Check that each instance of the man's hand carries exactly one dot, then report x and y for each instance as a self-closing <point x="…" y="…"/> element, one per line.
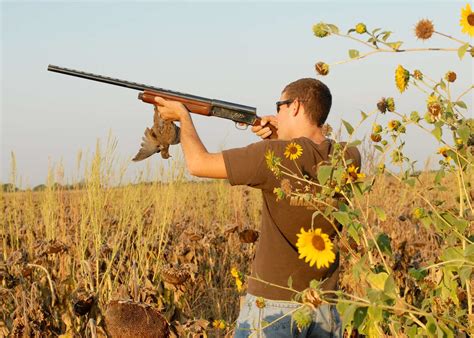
<point x="170" y="110"/>
<point x="263" y="130"/>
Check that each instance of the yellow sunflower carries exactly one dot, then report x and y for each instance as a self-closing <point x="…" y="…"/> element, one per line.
<point x="315" y="247"/>
<point x="467" y="20"/>
<point x="272" y="161"/>
<point x="237" y="275"/>
<point x="401" y="78"/>
<point x="293" y="151"/>
<point x="353" y="174"/>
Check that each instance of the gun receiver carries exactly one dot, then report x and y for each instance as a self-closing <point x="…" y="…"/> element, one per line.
<point x="195" y="104"/>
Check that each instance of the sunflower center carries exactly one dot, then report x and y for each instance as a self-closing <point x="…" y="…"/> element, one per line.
<point x="470" y="19"/>
<point x="318" y="243"/>
<point x="293" y="150"/>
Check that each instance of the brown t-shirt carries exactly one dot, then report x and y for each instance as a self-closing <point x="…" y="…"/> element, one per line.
<point x="276" y="257"/>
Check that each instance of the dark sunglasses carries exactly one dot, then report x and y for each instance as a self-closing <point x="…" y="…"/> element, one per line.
<point x="281" y="103"/>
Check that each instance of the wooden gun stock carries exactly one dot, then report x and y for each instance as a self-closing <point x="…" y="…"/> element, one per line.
<point x="194" y="106"/>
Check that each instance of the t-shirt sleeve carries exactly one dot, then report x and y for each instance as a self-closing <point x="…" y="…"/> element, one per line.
<point x="354" y="154"/>
<point x="247" y="166"/>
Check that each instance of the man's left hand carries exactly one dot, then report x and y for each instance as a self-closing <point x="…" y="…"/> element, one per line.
<point x="170" y="110"/>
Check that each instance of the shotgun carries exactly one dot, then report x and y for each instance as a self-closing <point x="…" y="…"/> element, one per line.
<point x="195" y="104"/>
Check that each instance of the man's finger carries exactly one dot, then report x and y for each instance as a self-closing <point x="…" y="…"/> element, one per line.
<point x="161" y="101"/>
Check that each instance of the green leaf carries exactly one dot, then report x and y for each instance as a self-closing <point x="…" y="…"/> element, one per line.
<point x="395" y="45"/>
<point x="353" y="53"/>
<point x="437" y="132"/>
<point x="342" y="217"/>
<point x="431" y="325"/>
<point x="462" y="50"/>
<point x="464" y="133"/>
<point x="352" y="231"/>
<point x="359" y="316"/>
<point x="347" y="313"/>
<point x="351" y="30"/>
<point x="334" y="29"/>
<point x="348" y="126"/>
<point x="364" y="115"/>
<point x="290" y="282"/>
<point x="453" y="254"/>
<point x="469" y="252"/>
<point x="418" y="274"/>
<point x="376" y="30"/>
<point x="386" y="36"/>
<point x="465" y="275"/>
<point x="380" y="213"/>
<point x="324" y="172"/>
<point x="410" y="181"/>
<point x="377" y="281"/>
<point x="379" y="148"/>
<point x="354" y="143"/>
<point x="384" y="243"/>
<point x="442" y="84"/>
<point x="439" y="176"/>
<point x="390" y="287"/>
<point x="461" y="104"/>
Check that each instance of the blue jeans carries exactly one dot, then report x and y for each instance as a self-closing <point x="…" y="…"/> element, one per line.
<point x="253" y="320"/>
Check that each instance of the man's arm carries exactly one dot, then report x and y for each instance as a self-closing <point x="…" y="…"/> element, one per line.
<point x="199" y="161"/>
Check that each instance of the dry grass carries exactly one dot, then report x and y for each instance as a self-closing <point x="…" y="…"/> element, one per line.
<point x="66" y="254"/>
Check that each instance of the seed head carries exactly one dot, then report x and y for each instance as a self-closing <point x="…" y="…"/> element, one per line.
<point x="382" y="105"/>
<point x="390" y="104"/>
<point x="424" y="29"/>
<point x="322" y="68"/>
<point x="321" y="30"/>
<point x="375" y="137"/>
<point x="376" y="128"/>
<point x="450" y="76"/>
<point x="417" y="74"/>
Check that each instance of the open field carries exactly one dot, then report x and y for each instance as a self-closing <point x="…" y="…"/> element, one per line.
<point x="66" y="254"/>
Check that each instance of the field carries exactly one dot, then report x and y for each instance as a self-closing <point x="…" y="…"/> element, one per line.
<point x="170" y="244"/>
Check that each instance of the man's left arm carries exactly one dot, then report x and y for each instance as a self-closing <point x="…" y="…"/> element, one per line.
<point x="199" y="161"/>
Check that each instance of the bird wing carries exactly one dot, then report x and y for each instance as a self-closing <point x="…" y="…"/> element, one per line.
<point x="149" y="146"/>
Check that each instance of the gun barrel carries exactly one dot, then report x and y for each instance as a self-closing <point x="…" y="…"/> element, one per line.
<point x="223" y="109"/>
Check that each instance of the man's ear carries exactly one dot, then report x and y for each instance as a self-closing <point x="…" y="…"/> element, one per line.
<point x="296" y="108"/>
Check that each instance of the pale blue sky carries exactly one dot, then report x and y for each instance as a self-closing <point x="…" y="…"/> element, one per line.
<point x="240" y="52"/>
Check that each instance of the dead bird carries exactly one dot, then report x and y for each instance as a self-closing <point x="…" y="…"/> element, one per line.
<point x="158" y="138"/>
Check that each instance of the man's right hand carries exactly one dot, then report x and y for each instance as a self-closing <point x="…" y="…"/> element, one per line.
<point x="268" y="128"/>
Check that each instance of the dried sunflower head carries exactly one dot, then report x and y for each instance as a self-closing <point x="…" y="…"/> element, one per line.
<point x="322" y="68"/>
<point x="321" y="30"/>
<point x="450" y="76"/>
<point x="424" y="29"/>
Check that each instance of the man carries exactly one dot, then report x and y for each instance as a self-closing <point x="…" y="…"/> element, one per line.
<point x="296" y="137"/>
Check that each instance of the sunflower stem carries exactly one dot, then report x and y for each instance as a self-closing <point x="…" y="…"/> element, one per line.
<point x="452" y="38"/>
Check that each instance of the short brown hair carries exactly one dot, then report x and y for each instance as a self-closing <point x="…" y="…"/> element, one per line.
<point x="314" y="95"/>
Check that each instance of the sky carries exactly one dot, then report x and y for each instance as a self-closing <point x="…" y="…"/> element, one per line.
<point x="242" y="52"/>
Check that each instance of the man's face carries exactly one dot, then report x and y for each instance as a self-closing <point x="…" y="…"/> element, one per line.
<point x="283" y="117"/>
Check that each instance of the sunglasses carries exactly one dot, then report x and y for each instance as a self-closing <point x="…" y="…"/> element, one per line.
<point x="281" y="103"/>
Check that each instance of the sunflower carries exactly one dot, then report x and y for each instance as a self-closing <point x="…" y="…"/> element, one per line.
<point x="293" y="151"/>
<point x="401" y="78"/>
<point x="219" y="324"/>
<point x="467" y="20"/>
<point x="353" y="174"/>
<point x="315" y="247"/>
<point x="424" y="29"/>
<point x="393" y="125"/>
<point x="237" y="275"/>
<point x="272" y="161"/>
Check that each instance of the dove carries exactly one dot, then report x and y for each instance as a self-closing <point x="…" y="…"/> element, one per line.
<point x="158" y="138"/>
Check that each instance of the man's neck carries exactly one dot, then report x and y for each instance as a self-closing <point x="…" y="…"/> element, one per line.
<point x="314" y="134"/>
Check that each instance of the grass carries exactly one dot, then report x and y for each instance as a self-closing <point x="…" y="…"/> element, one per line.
<point x="107" y="241"/>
